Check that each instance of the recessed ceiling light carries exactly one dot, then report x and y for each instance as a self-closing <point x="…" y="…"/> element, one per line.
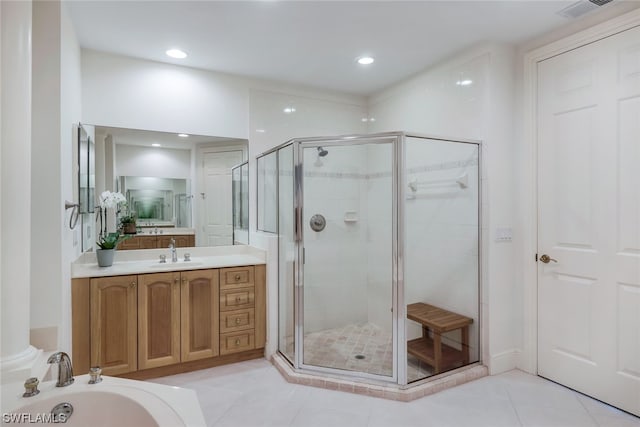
<point x="260" y="130"/>
<point x="155" y="144"/>
<point x="176" y="53"/>
<point x="465" y="82"/>
<point x="289" y="110"/>
<point x="183" y="135"/>
<point x="365" y="60"/>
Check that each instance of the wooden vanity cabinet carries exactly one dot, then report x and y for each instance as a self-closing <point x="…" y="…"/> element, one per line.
<point x="159" y="241"/>
<point x="199" y="298"/>
<point x="114" y="335"/>
<point x="182" y="241"/>
<point x="148" y="325"/>
<point x="158" y="319"/>
<point x="139" y="242"/>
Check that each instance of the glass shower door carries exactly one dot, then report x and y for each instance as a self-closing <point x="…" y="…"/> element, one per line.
<point x="347" y="217"/>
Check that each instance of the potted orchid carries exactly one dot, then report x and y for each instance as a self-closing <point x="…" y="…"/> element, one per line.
<point x="107" y="242"/>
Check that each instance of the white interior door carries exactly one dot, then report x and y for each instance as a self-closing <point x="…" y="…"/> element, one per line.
<point x="589" y="219"/>
<point x="217" y="205"/>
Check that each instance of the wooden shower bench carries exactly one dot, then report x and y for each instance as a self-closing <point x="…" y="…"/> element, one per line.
<point x="431" y="350"/>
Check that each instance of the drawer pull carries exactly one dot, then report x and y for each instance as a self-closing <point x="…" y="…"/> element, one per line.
<point x="238" y="299"/>
<point x="237" y="320"/>
<point x="238" y="277"/>
<point x="237" y="342"/>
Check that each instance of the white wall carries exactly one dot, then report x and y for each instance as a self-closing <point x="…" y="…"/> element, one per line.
<point x="433" y="103"/>
<point x="124" y="92"/>
<point x="15" y="200"/>
<point x="133" y="160"/>
<point x="56" y="107"/>
<point x="70" y="114"/>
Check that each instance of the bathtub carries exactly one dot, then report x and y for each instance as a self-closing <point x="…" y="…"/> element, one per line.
<point x="113" y="402"/>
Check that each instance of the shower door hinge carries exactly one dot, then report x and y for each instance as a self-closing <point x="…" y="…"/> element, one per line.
<point x="304" y="255"/>
<point x="536" y="257"/>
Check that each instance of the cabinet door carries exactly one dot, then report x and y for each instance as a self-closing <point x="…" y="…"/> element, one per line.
<point x="148" y="242"/>
<point x="183" y="241"/>
<point x="130" y="243"/>
<point x="164" y="241"/>
<point x="114" y="336"/>
<point x="199" y="313"/>
<point x="158" y="319"/>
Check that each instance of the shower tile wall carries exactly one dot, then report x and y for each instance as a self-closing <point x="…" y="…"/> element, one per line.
<point x="441" y="246"/>
<point x="335" y="269"/>
<point x="379" y="202"/>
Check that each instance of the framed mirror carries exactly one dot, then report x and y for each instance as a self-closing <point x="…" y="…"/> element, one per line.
<point x="86" y="171"/>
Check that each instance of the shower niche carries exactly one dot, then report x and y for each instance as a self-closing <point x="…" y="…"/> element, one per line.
<point x="378" y="256"/>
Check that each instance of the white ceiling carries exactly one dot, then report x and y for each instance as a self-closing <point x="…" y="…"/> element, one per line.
<point x="310" y="42"/>
<point x="145" y="138"/>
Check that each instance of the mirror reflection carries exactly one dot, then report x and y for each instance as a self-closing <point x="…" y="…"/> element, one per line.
<point x="176" y="185"/>
<point x="240" y="176"/>
<point x="157" y="202"/>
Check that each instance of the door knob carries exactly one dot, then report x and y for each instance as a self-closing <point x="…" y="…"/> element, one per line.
<point x="546" y="258"/>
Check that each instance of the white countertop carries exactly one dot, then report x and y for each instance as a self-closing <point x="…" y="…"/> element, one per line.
<point x="147" y="260"/>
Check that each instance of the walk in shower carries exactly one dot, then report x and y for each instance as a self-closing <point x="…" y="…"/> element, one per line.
<point x="378" y="253"/>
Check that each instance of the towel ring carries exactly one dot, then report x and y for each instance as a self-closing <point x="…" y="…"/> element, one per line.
<point x="75" y="213"/>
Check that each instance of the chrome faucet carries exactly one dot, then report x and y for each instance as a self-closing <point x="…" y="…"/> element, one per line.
<point x="172" y="248"/>
<point x="65" y="371"/>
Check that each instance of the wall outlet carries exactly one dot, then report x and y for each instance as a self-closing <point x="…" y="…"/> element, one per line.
<point x="504" y="234"/>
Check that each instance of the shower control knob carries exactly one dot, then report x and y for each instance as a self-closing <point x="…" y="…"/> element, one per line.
<point x="317" y="222"/>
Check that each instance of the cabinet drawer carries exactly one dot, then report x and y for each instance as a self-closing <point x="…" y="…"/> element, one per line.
<point x="235" y="299"/>
<point x="236" y="277"/>
<point x="237" y="320"/>
<point x="235" y="342"/>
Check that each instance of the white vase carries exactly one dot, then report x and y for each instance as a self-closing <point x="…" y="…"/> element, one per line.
<point x="105" y="257"/>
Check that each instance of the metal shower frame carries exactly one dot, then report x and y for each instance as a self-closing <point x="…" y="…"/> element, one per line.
<point x="398" y="141"/>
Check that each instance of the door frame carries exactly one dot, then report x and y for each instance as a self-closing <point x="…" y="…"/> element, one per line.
<point x="528" y="199"/>
<point x="197" y="207"/>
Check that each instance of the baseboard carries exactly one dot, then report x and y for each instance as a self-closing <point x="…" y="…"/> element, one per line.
<point x="504" y="361"/>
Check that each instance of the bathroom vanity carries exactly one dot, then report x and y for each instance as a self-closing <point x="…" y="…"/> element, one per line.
<point x="149" y="240"/>
<point x="142" y="319"/>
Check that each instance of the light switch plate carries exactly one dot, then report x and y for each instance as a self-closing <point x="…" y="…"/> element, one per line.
<point x="504" y="234"/>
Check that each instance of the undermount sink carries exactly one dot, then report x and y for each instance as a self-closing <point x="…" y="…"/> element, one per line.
<point x="173" y="265"/>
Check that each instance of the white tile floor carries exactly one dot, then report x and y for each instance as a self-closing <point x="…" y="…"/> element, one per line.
<point x="253" y="393"/>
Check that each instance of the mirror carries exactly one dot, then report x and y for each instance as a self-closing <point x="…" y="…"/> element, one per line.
<point x="86" y="171"/>
<point x="240" y="176"/>
<point x="157" y="202"/>
<point x="267" y="209"/>
<point x="175" y="184"/>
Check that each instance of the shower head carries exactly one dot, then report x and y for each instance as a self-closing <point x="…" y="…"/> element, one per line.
<point x="322" y="152"/>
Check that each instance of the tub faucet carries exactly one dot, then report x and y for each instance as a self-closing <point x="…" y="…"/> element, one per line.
<point x="65" y="371"/>
<point x="172" y="248"/>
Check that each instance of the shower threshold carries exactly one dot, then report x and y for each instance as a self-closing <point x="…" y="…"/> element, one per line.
<point x="407" y="393"/>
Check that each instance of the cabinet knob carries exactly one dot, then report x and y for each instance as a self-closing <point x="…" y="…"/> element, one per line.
<point x="185" y="281"/>
<point x="237" y="320"/>
<point x="238" y="277"/>
<point x="237" y="342"/>
<point x="238" y="299"/>
<point x="176" y="280"/>
<point x="132" y="284"/>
